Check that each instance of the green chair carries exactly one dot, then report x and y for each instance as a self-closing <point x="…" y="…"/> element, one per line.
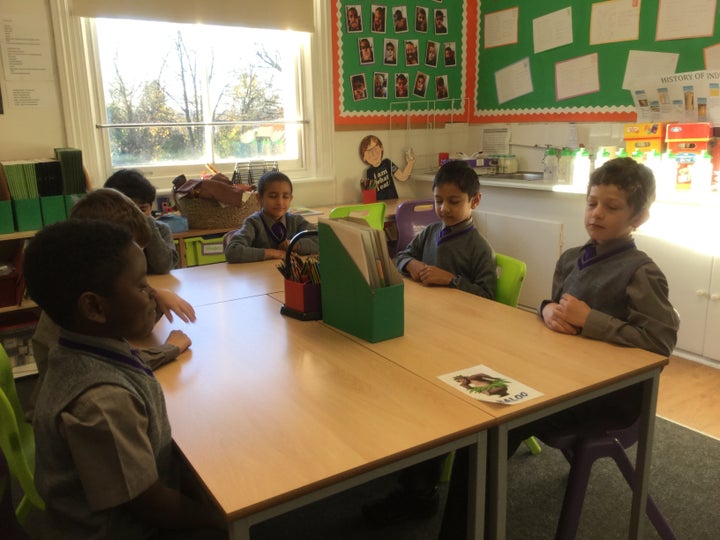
<point x="373" y="213"/>
<point x="511" y="274"/>
<point x="16" y="441"/>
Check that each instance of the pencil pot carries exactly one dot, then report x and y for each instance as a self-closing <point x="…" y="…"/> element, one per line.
<point x="302" y="297"/>
<point x="369" y="196"/>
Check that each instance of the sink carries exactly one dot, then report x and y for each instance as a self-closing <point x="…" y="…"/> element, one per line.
<point x="520" y="175"/>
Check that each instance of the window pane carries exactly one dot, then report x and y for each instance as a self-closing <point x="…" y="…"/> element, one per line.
<point x="135" y="147"/>
<point x="174" y="73"/>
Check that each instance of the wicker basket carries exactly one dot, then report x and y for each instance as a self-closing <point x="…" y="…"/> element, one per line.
<point x="209" y="214"/>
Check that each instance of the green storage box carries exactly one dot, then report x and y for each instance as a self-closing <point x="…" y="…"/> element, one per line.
<point x="28" y="216"/>
<point x="7" y="225"/>
<point x="348" y="302"/>
<point x="201" y="250"/>
<point x="53" y="209"/>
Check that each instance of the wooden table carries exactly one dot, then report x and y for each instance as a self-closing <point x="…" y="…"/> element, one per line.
<point x="273" y="413"/>
<point x="214" y="283"/>
<point x="447" y="330"/>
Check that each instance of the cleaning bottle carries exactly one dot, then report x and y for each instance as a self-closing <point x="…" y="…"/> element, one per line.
<point x="565" y="166"/>
<point x="581" y="168"/>
<point x="550" y="162"/>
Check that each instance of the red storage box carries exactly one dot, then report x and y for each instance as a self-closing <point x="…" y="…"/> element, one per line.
<point x="688" y="138"/>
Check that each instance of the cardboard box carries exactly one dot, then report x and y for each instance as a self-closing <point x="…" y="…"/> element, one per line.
<point x="644" y="137"/>
<point x="688" y="138"/>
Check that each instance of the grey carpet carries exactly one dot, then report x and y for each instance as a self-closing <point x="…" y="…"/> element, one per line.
<point x="685" y="483"/>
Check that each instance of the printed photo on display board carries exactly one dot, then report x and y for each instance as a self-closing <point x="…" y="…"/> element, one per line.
<point x="406" y="52"/>
<point x="401" y="85"/>
<point x="420" y="87"/>
<point x="440" y="18"/>
<point x="380" y="85"/>
<point x="378" y="19"/>
<point x="353" y="18"/>
<point x="421" y="24"/>
<point x="400" y="22"/>
<point x="431" y="54"/>
<point x="411" y="52"/>
<point x="390" y="48"/>
<point x="359" y="87"/>
<point x="365" y="48"/>
<point x="449" y="54"/>
<point x="441" y="88"/>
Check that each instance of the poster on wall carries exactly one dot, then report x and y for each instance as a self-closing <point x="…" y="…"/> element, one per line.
<point x="678" y="97"/>
<point x="547" y="61"/>
<point x="398" y="58"/>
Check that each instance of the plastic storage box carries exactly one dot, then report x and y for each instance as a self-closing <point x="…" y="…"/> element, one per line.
<point x="201" y="250"/>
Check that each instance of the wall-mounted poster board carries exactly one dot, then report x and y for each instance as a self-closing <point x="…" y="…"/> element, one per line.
<point x="402" y="58"/>
<point x="514" y="61"/>
<point x="560" y="60"/>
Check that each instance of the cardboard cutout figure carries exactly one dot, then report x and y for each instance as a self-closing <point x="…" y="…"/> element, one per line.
<point x="382" y="171"/>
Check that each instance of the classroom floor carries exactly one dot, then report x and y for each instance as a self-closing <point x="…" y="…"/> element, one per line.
<point x="689" y="395"/>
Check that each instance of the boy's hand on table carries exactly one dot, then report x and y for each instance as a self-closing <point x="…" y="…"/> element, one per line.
<point x="168" y="302"/>
<point x="274" y="254"/>
<point x="573" y="310"/>
<point x="180" y="339"/>
<point x="554" y="319"/>
<point x="428" y="275"/>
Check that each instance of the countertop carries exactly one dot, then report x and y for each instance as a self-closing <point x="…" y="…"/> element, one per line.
<point x="497" y="180"/>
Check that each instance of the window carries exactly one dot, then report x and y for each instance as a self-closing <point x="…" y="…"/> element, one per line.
<point x="168" y="97"/>
<point x="184" y="93"/>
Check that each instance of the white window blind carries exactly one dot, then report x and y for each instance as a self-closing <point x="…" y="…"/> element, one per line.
<point x="272" y="14"/>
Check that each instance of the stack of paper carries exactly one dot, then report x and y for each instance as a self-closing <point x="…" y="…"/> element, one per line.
<point x="368" y="249"/>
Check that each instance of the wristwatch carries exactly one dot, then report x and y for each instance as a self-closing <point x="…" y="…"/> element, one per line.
<point x="455" y="282"/>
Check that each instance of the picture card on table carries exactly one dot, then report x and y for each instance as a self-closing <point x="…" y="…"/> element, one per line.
<point x="485" y="384"/>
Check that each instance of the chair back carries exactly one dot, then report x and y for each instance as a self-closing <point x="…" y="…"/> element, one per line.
<point x="511" y="274"/>
<point x="411" y="217"/>
<point x="16" y="440"/>
<point x="373" y="213"/>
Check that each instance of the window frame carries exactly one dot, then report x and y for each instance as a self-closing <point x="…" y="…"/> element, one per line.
<point x="83" y="104"/>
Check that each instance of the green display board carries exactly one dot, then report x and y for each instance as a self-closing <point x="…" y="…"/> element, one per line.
<point x="395" y="53"/>
<point x="611" y="58"/>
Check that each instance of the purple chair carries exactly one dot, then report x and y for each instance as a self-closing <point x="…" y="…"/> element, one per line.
<point x="582" y="449"/>
<point x="411" y="217"/>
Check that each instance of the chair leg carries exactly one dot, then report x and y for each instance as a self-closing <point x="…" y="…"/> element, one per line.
<point x="533" y="445"/>
<point x="656" y="518"/>
<point x="580" y="468"/>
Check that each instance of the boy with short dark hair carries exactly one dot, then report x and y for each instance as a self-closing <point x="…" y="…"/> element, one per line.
<point x="160" y="252"/>
<point x="105" y="463"/>
<point x="608" y="289"/>
<point x="266" y="234"/>
<point x="452" y="252"/>
<point x="449" y="253"/>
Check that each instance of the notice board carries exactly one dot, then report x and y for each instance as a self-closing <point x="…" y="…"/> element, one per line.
<point x="402" y="56"/>
<point x="515" y="60"/>
<point x="580" y="76"/>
